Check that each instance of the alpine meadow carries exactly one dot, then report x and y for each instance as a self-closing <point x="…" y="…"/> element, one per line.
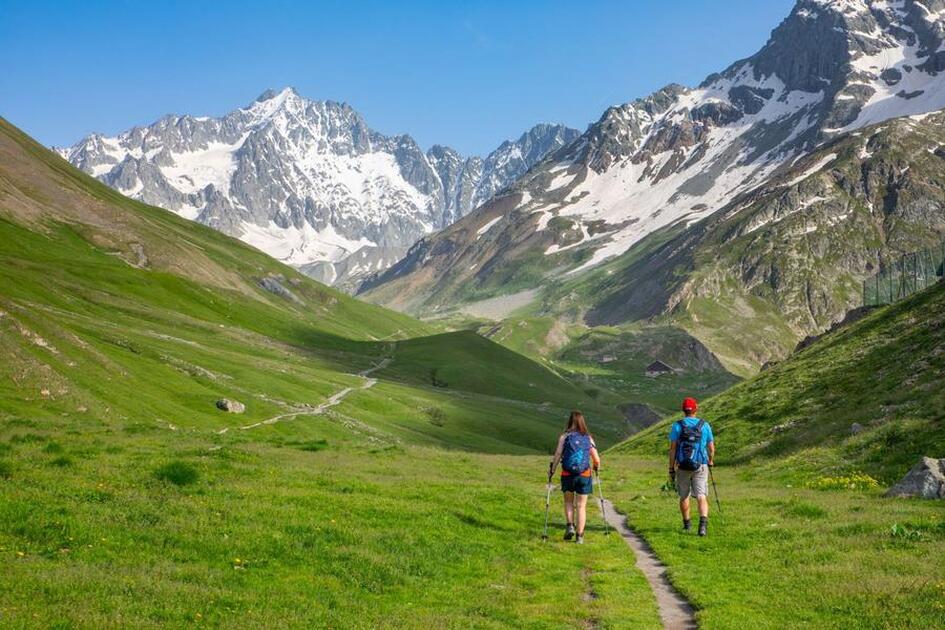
<point x="677" y="364"/>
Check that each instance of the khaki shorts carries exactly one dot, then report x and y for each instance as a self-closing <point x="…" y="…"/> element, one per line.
<point x="693" y="483"/>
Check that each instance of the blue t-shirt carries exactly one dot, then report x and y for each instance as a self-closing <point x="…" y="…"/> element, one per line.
<point x="703" y="456"/>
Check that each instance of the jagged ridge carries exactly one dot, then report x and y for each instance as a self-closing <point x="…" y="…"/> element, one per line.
<point x="307" y="181"/>
<point x="680" y="155"/>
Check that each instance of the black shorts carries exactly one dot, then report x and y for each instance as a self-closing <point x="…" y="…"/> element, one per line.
<point x="577" y="484"/>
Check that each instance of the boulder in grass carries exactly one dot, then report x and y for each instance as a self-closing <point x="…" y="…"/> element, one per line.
<point x="273" y="284"/>
<point x="230" y="406"/>
<point x="856" y="428"/>
<point x="926" y="480"/>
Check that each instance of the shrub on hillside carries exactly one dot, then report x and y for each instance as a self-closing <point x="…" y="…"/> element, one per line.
<point x="313" y="445"/>
<point x="177" y="472"/>
<point x="903" y="533"/>
<point x="436" y="415"/>
<point x="802" y="509"/>
<point x="854" y="481"/>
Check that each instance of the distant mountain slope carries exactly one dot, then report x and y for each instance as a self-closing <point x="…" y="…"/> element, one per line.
<point x="789" y="258"/>
<point x="680" y="155"/>
<point x="308" y="182"/>
<point x="883" y="373"/>
<point x="139" y="320"/>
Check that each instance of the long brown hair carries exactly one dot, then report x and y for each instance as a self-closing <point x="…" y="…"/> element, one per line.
<point x="577" y="423"/>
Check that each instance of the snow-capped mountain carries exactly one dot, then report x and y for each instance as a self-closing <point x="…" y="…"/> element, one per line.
<point x="307" y="181"/>
<point x="681" y="154"/>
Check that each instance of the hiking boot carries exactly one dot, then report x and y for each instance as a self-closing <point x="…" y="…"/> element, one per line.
<point x="703" y="526"/>
<point x="687" y="525"/>
<point x="580" y="539"/>
<point x="569" y="532"/>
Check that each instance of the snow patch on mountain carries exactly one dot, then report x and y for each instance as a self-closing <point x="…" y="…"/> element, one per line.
<point x="488" y="226"/>
<point x="301" y="246"/>
<point x="640" y="196"/>
<point x="681" y="154"/>
<point x="307" y="181"/>
<point x="816" y="167"/>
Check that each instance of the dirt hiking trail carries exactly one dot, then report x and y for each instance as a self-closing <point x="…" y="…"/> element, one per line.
<point x="333" y="400"/>
<point x="675" y="612"/>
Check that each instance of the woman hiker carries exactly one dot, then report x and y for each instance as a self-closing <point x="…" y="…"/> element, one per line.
<point x="578" y="455"/>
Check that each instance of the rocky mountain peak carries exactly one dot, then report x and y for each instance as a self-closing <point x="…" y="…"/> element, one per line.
<point x="681" y="154"/>
<point x="307" y="181"/>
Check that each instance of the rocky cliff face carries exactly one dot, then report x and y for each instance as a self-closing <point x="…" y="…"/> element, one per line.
<point x="680" y="155"/>
<point x="788" y="258"/>
<point x="307" y="181"/>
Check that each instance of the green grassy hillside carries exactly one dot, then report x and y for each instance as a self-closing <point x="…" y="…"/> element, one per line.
<point x="610" y="363"/>
<point x="95" y="287"/>
<point x="308" y="524"/>
<point x="787" y="259"/>
<point x="884" y="373"/>
<point x="386" y="474"/>
<point x="783" y="555"/>
<point x="353" y="492"/>
<point x="802" y="493"/>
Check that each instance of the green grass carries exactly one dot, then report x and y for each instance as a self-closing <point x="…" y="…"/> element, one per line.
<point x="194" y="325"/>
<point x="743" y="330"/>
<point x="577" y="353"/>
<point x="786" y="556"/>
<point x="630" y="350"/>
<point x="883" y="373"/>
<point x="805" y="524"/>
<point x="127" y="498"/>
<point x="443" y="361"/>
<point x="268" y="532"/>
<point x="178" y="473"/>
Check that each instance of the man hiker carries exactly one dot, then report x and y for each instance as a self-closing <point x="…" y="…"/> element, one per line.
<point x="691" y="452"/>
<point x="578" y="455"/>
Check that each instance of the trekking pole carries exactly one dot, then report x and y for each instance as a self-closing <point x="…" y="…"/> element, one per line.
<point x="544" y="536"/>
<point x="715" y="491"/>
<point x="600" y="493"/>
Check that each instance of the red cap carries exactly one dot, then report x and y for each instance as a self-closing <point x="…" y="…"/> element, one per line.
<point x="690" y="404"/>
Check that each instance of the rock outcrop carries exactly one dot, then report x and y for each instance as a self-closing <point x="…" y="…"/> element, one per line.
<point x="230" y="406"/>
<point x="926" y="481"/>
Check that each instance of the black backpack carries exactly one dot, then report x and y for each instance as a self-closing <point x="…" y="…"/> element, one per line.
<point x="689" y="445"/>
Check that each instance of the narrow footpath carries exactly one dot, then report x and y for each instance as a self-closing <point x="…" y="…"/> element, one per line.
<point x="675" y="612"/>
<point x="333" y="400"/>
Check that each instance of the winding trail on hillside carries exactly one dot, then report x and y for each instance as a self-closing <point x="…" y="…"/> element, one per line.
<point x="675" y="612"/>
<point x="333" y="400"/>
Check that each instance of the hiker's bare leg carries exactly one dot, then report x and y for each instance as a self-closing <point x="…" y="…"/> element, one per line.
<point x="684" y="508"/>
<point x="703" y="507"/>
<point x="569" y="507"/>
<point x="581" y="513"/>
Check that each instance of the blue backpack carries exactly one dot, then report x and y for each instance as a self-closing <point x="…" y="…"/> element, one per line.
<point x="689" y="446"/>
<point x="576" y="454"/>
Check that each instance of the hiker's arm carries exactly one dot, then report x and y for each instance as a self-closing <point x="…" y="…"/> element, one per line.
<point x="672" y="457"/>
<point x="557" y="457"/>
<point x="595" y="458"/>
<point x="712" y="453"/>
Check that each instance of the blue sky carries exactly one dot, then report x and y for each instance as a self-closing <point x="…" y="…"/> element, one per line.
<point x="465" y="74"/>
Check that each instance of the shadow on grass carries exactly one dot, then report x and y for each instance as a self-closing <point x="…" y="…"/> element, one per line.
<point x="475" y="521"/>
